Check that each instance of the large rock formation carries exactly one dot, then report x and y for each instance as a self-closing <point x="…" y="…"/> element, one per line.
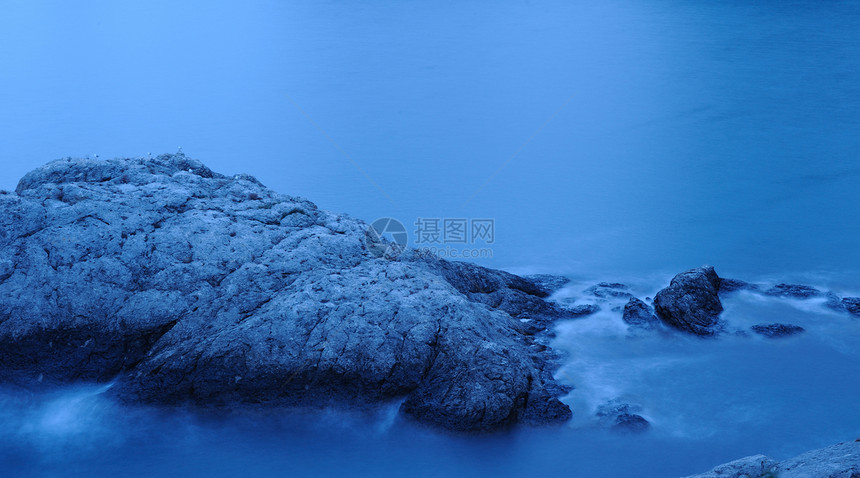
<point x="691" y="302"/>
<point x="837" y="461"/>
<point x="190" y="287"/>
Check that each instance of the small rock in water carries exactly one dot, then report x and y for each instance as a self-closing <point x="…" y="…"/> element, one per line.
<point x="691" y="302"/>
<point x="606" y="290"/>
<point x="796" y="291"/>
<point x="639" y="314"/>
<point x="584" y="309"/>
<point x="731" y="285"/>
<point x="852" y="304"/>
<point x="621" y="416"/>
<point x="777" y="330"/>
<point x="630" y="422"/>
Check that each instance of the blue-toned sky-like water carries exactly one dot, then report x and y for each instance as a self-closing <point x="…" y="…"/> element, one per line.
<point x="608" y="140"/>
<point x="614" y="136"/>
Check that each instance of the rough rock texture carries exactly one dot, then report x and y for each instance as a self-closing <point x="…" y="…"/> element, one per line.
<point x="757" y="466"/>
<point x="518" y="296"/>
<point x="796" y="291"/>
<point x="639" y="314"/>
<point x="837" y="461"/>
<point x="691" y="302"/>
<point x="851" y="304"/>
<point x="548" y="282"/>
<point x="776" y="330"/>
<point x="189" y="287"/>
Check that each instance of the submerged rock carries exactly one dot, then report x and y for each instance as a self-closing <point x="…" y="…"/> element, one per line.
<point x="639" y="314"/>
<point x="629" y="422"/>
<point x="796" y="291"/>
<point x="776" y="330"/>
<point x="190" y="287"/>
<point x="691" y="303"/>
<point x="622" y="417"/>
<point x="837" y="461"/>
<point x="852" y="304"/>
<point x="582" y="310"/>
<point x="608" y="290"/>
<point x="732" y="285"/>
<point x="834" y="302"/>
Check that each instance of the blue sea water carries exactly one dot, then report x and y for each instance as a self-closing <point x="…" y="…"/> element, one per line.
<point x="608" y="140"/>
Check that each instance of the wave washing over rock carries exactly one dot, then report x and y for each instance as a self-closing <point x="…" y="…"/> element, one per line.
<point x="184" y="286"/>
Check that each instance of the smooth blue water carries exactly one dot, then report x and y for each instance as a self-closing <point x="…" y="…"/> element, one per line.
<point x="634" y="135"/>
<point x="610" y="140"/>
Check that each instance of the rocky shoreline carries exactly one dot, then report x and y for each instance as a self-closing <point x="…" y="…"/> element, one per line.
<point x="183" y="286"/>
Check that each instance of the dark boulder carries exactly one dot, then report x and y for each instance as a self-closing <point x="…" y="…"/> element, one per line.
<point x="691" y="303"/>
<point x="639" y="314"/>
<point x="776" y="330"/>
<point x="629" y="422"/>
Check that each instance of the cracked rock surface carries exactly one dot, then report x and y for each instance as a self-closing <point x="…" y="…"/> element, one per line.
<point x="190" y="287"/>
<point x="691" y="303"/>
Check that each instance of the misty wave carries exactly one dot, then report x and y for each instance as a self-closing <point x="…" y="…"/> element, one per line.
<point x="708" y="400"/>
